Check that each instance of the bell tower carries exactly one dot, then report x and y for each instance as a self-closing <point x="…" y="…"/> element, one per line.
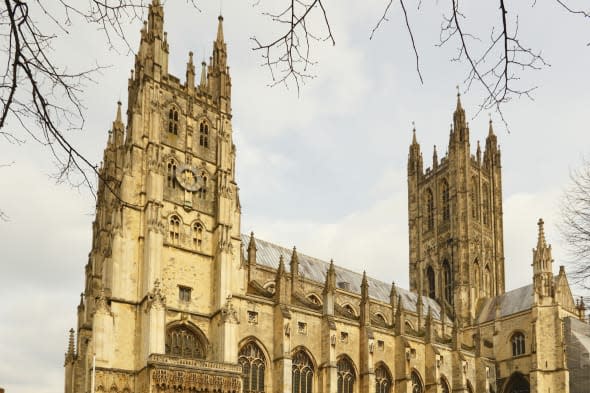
<point x="455" y="221"/>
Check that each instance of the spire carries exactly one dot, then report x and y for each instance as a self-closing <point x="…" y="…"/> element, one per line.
<point x="478" y="153"/>
<point x="294" y="262"/>
<point x="252" y="249"/>
<point x="281" y="269"/>
<point x="414" y="142"/>
<point x="190" y="72"/>
<point x="490" y="128"/>
<point x="119" y="118"/>
<point x="220" y="29"/>
<point x="70" y="353"/>
<point x="434" y="158"/>
<point x="414" y="157"/>
<point x="541" y="242"/>
<point x="329" y="289"/>
<point x="459" y="122"/>
<point x="542" y="264"/>
<point x="364" y="287"/>
<point x="365" y="303"/>
<point x="203" y="83"/>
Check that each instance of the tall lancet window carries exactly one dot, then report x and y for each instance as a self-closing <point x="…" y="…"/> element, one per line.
<point x="431" y="282"/>
<point x="204" y="135"/>
<point x="486" y="205"/>
<point x="174" y="229"/>
<point x="474" y="199"/>
<point x="302" y="376"/>
<point x="447" y="282"/>
<point x="429" y="200"/>
<point x="446" y="201"/>
<point x="173" y="121"/>
<point x="253" y="365"/>
<point x="171" y="174"/>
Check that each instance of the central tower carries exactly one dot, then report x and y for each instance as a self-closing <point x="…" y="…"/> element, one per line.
<point x="455" y="221"/>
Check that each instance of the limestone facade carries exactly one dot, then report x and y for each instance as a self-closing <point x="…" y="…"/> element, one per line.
<point x="178" y="300"/>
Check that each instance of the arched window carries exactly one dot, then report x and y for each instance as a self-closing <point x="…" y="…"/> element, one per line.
<point x="171" y="174"/>
<point x="346" y="375"/>
<point x="487" y="281"/>
<point x="253" y="365"/>
<point x="174" y="229"/>
<point x="518" y="344"/>
<point x="302" y="373"/>
<point x="431" y="282"/>
<point x="446" y="201"/>
<point x="202" y="192"/>
<point x="314" y="299"/>
<point x="429" y="210"/>
<point x="417" y="386"/>
<point x="182" y="341"/>
<point x="486" y="205"/>
<point x="444" y="386"/>
<point x="197" y="235"/>
<point x="204" y="135"/>
<point x="383" y="380"/>
<point x="474" y="199"/>
<point x="381" y="318"/>
<point x="349" y="310"/>
<point x="447" y="282"/>
<point x="173" y="121"/>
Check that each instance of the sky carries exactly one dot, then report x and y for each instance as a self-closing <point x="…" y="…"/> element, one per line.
<point x="323" y="169"/>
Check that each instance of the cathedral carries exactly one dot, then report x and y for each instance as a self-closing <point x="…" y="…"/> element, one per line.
<point x="177" y="299"/>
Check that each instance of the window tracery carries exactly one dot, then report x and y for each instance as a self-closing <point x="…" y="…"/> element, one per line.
<point x="197" y="235"/>
<point x="302" y="375"/>
<point x="431" y="282"/>
<point x="171" y="174"/>
<point x="429" y="210"/>
<point x="253" y="363"/>
<point x="174" y="229"/>
<point x="204" y="135"/>
<point x="173" y="121"/>
<point x="383" y="380"/>
<point x="182" y="341"/>
<point x="346" y="375"/>
<point x="474" y="199"/>
<point x="444" y="386"/>
<point x="417" y="386"/>
<point x="518" y="343"/>
<point x="448" y="282"/>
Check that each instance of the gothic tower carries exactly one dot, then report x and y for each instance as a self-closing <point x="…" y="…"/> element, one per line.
<point x="167" y="220"/>
<point x="455" y="221"/>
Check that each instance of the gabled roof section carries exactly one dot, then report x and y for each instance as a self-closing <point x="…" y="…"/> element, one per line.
<point x="268" y="254"/>
<point x="511" y="302"/>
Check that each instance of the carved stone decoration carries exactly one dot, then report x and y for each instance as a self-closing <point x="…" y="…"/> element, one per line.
<point x="155" y="298"/>
<point x="228" y="313"/>
<point x="102" y="305"/>
<point x="287" y="329"/>
<point x="188" y="178"/>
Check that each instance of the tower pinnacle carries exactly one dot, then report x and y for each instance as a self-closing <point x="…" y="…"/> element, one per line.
<point x="220" y="29"/>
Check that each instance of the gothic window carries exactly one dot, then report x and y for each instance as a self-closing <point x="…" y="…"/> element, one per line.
<point x="253" y="363"/>
<point x="204" y="135"/>
<point x="381" y="318"/>
<point x="314" y="299"/>
<point x="444" y="386"/>
<point x="197" y="235"/>
<point x="446" y="201"/>
<point x="447" y="282"/>
<point x="174" y="229"/>
<point x="429" y="210"/>
<point x="417" y="386"/>
<point x="517" y="344"/>
<point x="517" y="384"/>
<point x="302" y="376"/>
<point x="349" y="310"/>
<point x="346" y="375"/>
<point x="474" y="200"/>
<point x="171" y="174"/>
<point x="202" y="193"/>
<point x="383" y="380"/>
<point x="182" y="341"/>
<point x="431" y="281"/>
<point x="487" y="281"/>
<point x="173" y="121"/>
<point x="486" y="205"/>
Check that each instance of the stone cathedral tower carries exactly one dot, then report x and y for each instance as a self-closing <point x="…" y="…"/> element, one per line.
<point x="167" y="219"/>
<point x="455" y="221"/>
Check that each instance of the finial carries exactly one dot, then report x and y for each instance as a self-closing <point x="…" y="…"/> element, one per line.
<point x="459" y="106"/>
<point x="490" y="129"/>
<point x="220" y="29"/>
<point x="541" y="225"/>
<point x="119" y="117"/>
<point x="414" y="141"/>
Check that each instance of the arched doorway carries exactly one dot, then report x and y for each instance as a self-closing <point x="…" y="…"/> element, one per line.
<point x="517" y="384"/>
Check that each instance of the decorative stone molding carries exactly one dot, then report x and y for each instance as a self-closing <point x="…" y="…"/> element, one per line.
<point x="228" y="313"/>
<point x="155" y="298"/>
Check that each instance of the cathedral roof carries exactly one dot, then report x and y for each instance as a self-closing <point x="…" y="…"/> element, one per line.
<point x="511" y="302"/>
<point x="268" y="254"/>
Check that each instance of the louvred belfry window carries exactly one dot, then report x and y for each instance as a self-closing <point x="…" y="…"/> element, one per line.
<point x="204" y="135"/>
<point x="253" y="364"/>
